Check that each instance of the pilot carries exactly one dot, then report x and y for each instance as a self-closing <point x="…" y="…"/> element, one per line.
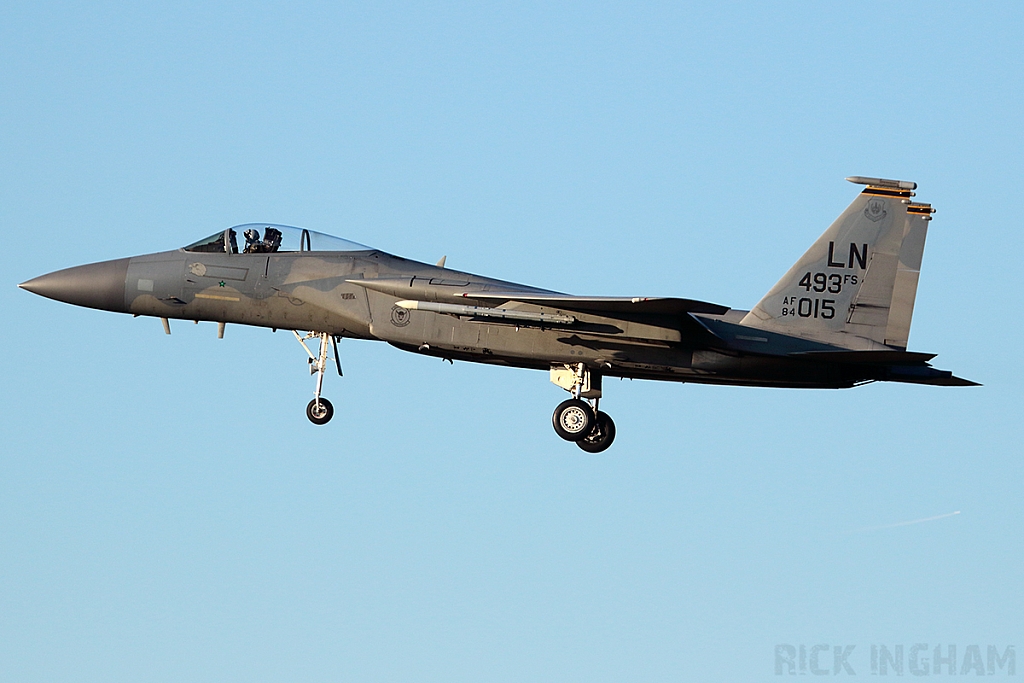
<point x="252" y="242"/>
<point x="271" y="239"/>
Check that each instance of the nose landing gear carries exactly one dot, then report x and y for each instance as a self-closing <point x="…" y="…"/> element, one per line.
<point x="319" y="411"/>
<point x="579" y="420"/>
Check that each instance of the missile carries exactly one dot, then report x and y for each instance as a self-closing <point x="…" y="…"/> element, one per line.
<point x="485" y="312"/>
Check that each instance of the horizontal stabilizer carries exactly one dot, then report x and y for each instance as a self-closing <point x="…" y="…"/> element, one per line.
<point x="953" y="381"/>
<point x="924" y="374"/>
<point x="928" y="375"/>
<point x="894" y="366"/>
<point x="869" y="357"/>
<point x="605" y="305"/>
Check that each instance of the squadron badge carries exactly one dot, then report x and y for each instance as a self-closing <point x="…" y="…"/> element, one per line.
<point x="400" y="316"/>
<point x="875" y="210"/>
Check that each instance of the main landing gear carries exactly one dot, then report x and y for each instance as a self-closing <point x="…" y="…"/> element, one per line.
<point x="579" y="420"/>
<point x="319" y="411"/>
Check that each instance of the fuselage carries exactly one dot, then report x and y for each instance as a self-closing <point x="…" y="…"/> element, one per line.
<point x="318" y="291"/>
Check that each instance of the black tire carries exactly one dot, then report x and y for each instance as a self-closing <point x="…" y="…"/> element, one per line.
<point x="601" y="435"/>
<point x="321" y="416"/>
<point x="573" y="419"/>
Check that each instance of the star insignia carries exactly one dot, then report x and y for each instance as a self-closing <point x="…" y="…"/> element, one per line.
<point x="221" y="283"/>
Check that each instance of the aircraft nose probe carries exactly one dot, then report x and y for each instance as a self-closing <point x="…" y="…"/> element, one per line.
<point x="96" y="285"/>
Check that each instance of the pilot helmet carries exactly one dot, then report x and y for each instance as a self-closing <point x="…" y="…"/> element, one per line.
<point x="251" y="235"/>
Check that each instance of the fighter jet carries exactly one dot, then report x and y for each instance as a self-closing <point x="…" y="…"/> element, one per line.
<point x="838" y="318"/>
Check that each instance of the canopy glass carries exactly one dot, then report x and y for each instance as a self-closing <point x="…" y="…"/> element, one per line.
<point x="266" y="238"/>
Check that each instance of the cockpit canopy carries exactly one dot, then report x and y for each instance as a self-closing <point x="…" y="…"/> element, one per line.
<point x="268" y="238"/>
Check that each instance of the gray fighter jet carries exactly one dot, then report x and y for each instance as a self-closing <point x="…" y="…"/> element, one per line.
<point x="840" y="317"/>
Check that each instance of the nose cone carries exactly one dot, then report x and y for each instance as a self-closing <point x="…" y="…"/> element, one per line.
<point x="97" y="285"/>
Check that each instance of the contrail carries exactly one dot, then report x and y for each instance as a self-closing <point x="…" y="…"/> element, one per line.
<point x="908" y="523"/>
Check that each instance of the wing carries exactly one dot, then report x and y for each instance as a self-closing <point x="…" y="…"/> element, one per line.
<point x="447" y="290"/>
<point x="603" y="305"/>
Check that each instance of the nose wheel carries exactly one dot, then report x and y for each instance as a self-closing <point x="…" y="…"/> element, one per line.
<point x="319" y="411"/>
<point x="579" y="420"/>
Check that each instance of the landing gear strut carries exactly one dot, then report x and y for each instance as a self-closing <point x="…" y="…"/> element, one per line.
<point x="579" y="420"/>
<point x="319" y="411"/>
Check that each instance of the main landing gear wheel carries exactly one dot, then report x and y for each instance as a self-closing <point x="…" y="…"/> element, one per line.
<point x="573" y="419"/>
<point x="601" y="435"/>
<point x="320" y="411"/>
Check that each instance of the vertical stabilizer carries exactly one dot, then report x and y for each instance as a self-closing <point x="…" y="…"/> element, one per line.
<point x="855" y="287"/>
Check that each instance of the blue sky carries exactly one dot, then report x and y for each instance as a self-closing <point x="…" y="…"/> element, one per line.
<point x="167" y="512"/>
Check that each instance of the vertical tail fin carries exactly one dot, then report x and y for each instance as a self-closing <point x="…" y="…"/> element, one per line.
<point x="855" y="287"/>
